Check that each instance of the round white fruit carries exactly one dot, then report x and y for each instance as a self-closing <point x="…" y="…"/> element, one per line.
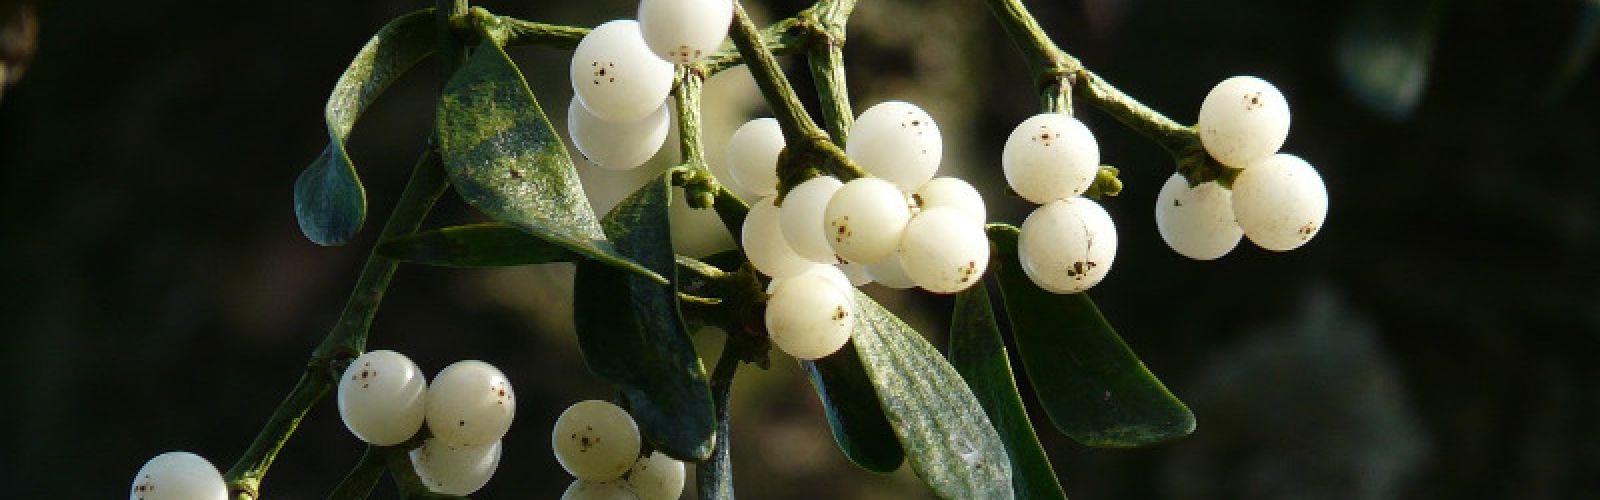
<point x="615" y="489"/>
<point x="809" y="317"/>
<point x="455" y="469"/>
<point x="764" y="244"/>
<point x="943" y="251"/>
<point x="683" y="31"/>
<point x="616" y="145"/>
<point x="595" y="440"/>
<point x="865" y="218"/>
<point x="1067" y="246"/>
<point x="1280" y="202"/>
<point x="898" y="141"/>
<point x="1197" y="222"/>
<point x="616" y="76"/>
<point x="1050" y="156"/>
<point x="803" y="210"/>
<point x="381" y="397"/>
<point x="954" y="193"/>
<point x="656" y="477"/>
<point x="178" y="475"/>
<point x="753" y="156"/>
<point x="1243" y="119"/>
<point x="470" y="404"/>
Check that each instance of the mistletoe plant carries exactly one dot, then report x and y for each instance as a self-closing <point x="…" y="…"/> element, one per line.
<point x="853" y="200"/>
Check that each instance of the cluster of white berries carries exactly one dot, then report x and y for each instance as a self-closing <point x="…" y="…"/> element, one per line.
<point x="1068" y="243"/>
<point x="384" y="400"/>
<point x="900" y="227"/>
<point x="598" y="443"/>
<point x="622" y="72"/>
<point x="1278" y="200"/>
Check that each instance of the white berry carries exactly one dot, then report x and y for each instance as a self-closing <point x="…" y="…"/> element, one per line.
<point x="809" y="317"/>
<point x="891" y="274"/>
<point x="1196" y="222"/>
<point x="1067" y="245"/>
<point x="615" y="489"/>
<point x="683" y="31"/>
<point x="898" y="141"/>
<point x="954" y="193"/>
<point x="381" y="397"/>
<point x="1280" y="202"/>
<point x="764" y="244"/>
<point x="178" y="475"/>
<point x="470" y="403"/>
<point x="455" y="469"/>
<point x="595" y="440"/>
<point x="753" y="156"/>
<point x="656" y="477"/>
<point x="865" y="219"/>
<point x="616" y="76"/>
<point x="943" y="251"/>
<point x="803" y="211"/>
<point x="1050" y="156"/>
<point x="616" y="145"/>
<point x="1243" y="119"/>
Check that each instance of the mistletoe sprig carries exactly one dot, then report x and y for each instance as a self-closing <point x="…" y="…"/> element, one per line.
<point x="850" y="200"/>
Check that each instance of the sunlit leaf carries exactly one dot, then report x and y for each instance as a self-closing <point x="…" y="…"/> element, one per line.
<point x="945" y="434"/>
<point x="632" y="335"/>
<point x="477" y="245"/>
<point x="978" y="353"/>
<point x="329" y="201"/>
<point x="1090" y="383"/>
<point x="854" y="415"/>
<point x="505" y="159"/>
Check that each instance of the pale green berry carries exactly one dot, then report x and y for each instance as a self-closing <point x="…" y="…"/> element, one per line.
<point x="455" y="469"/>
<point x="595" y="440"/>
<point x="1280" y="202"/>
<point x="470" y="403"/>
<point x="656" y="477"/>
<point x="381" y="397"/>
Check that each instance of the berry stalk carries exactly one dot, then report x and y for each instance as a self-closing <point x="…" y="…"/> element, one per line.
<point x="1054" y="69"/>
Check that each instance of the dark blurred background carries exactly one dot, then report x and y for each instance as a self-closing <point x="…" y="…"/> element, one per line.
<point x="1435" y="341"/>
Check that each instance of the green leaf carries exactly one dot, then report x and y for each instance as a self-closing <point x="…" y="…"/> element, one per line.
<point x="329" y="201"/>
<point x="489" y="244"/>
<point x="854" y="415"/>
<point x="979" y="355"/>
<point x="942" y="428"/>
<point x="631" y="333"/>
<point x="1090" y="383"/>
<point x="505" y="159"/>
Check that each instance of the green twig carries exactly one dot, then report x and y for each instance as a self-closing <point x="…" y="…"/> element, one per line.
<point x="1054" y="69"/>
<point x="826" y="59"/>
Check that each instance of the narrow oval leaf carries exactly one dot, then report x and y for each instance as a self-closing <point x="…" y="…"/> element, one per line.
<point x="942" y="428"/>
<point x="978" y="353"/>
<point x="505" y="159"/>
<point x="1090" y="383"/>
<point x="329" y="201"/>
<point x="631" y="333"/>
<point x="854" y="415"/>
<point x="489" y="244"/>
